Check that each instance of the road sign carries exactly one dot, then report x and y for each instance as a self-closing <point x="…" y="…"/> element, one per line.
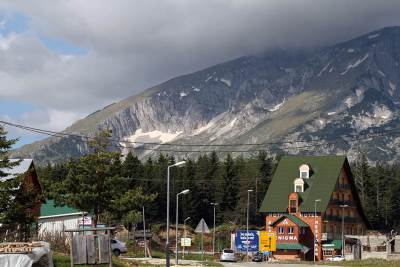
<point x="186" y="242"/>
<point x="267" y="241"/>
<point x="242" y="242"/>
<point x="202" y="227"/>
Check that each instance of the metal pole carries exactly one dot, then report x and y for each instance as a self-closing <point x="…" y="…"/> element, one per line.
<point x="247" y="224"/>
<point x="247" y="227"/>
<point x="167" y="260"/>
<point x="144" y="235"/>
<point x="214" y="231"/>
<point x="176" y="229"/>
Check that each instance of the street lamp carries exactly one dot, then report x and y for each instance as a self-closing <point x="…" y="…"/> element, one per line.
<point x="247" y="224"/>
<point x="184" y="229"/>
<point x="315" y="230"/>
<point x="213" y="248"/>
<point x="167" y="242"/>
<point x="184" y="192"/>
<point x="343" y="207"/>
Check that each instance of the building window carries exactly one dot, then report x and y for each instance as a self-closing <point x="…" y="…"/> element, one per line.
<point x="293" y="206"/>
<point x="304" y="171"/>
<point x="281" y="230"/>
<point x="328" y="253"/>
<point x="299" y="185"/>
<point x="291" y="230"/>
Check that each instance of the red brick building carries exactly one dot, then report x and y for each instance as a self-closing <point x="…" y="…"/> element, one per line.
<point x="308" y="197"/>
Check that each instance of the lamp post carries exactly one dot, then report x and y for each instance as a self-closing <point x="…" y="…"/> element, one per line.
<point x="167" y="260"/>
<point x="184" y="229"/>
<point x="247" y="224"/>
<point x="184" y="192"/>
<point x="144" y="235"/>
<point x="315" y="228"/>
<point x="343" y="207"/>
<point x="213" y="242"/>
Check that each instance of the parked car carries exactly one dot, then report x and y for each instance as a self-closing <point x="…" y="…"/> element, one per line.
<point x="258" y="257"/>
<point x="118" y="247"/>
<point x="228" y="255"/>
<point x="336" y="258"/>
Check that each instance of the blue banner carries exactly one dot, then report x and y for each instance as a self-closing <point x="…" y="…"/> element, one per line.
<point x="242" y="242"/>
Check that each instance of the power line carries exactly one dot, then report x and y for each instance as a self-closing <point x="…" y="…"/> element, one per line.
<point x="310" y="143"/>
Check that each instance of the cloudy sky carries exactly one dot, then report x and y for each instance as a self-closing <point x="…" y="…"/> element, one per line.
<point x="63" y="59"/>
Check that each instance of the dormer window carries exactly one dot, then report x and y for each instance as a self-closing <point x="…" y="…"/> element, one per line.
<point x="299" y="185"/>
<point x="304" y="171"/>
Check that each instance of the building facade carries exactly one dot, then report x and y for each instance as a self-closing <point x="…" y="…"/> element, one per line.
<point x="311" y="200"/>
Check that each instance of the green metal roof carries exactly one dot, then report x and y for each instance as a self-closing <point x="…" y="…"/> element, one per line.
<point x="289" y="246"/>
<point x="335" y="244"/>
<point x="294" y="219"/>
<point x="324" y="173"/>
<point x="49" y="209"/>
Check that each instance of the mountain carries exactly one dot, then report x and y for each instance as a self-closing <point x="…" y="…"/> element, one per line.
<point x="330" y="98"/>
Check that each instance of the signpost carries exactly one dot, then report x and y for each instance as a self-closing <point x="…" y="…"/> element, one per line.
<point x="267" y="241"/>
<point x="242" y="242"/>
<point x="202" y="228"/>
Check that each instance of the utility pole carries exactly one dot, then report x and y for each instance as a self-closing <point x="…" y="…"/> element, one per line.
<point x="144" y="235"/>
<point x="343" y="242"/>
<point x="247" y="223"/>
<point x="315" y="228"/>
<point x="213" y="242"/>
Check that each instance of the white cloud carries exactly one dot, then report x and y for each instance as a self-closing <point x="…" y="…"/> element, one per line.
<point x="134" y="44"/>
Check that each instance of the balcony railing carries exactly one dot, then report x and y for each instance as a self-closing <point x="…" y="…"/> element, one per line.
<point x="339" y="202"/>
<point x="343" y="186"/>
<point x="339" y="219"/>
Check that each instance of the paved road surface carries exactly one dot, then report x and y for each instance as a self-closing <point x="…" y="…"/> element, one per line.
<point x="259" y="264"/>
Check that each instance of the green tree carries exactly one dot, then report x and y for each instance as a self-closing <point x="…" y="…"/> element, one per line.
<point x="230" y="189"/>
<point x="94" y="181"/>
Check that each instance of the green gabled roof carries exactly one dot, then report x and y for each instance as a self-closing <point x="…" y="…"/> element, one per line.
<point x="324" y="173"/>
<point x="293" y="218"/>
<point x="49" y="209"/>
<point x="289" y="246"/>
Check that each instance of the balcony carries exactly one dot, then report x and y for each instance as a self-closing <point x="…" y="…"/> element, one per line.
<point x="338" y="202"/>
<point x="343" y="186"/>
<point x="347" y="219"/>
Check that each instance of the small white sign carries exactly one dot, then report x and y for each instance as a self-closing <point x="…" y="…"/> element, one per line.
<point x="186" y="242"/>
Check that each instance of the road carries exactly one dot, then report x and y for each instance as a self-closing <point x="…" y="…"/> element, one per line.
<point x="259" y="264"/>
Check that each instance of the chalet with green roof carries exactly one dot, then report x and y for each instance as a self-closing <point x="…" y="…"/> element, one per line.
<point x="308" y="198"/>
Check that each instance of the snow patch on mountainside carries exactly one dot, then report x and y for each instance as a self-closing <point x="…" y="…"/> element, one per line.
<point x="392" y="88"/>
<point x="372" y="36"/>
<point x="150" y="137"/>
<point x="323" y="69"/>
<point x="380" y="115"/>
<point x="355" y="64"/>
<point x="277" y="107"/>
<point x="226" y="81"/>
<point x="182" y="94"/>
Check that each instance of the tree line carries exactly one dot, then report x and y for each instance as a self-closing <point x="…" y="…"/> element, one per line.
<point x="114" y="188"/>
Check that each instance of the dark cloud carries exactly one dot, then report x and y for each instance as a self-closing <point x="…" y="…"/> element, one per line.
<point x="135" y="44"/>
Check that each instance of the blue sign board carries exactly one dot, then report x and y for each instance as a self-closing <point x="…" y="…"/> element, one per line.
<point x="242" y="242"/>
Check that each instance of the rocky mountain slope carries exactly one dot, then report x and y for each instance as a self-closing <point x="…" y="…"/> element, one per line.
<point x="312" y="102"/>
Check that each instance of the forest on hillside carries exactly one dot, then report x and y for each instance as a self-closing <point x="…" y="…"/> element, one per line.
<point x="225" y="181"/>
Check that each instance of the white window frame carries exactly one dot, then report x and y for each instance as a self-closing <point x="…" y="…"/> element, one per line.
<point x="291" y="230"/>
<point x="279" y="230"/>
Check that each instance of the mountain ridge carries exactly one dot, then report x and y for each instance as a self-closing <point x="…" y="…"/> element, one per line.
<point x="341" y="89"/>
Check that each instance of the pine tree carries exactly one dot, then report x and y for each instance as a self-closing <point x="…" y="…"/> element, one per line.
<point x="230" y="189"/>
<point x="92" y="182"/>
<point x="132" y="168"/>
